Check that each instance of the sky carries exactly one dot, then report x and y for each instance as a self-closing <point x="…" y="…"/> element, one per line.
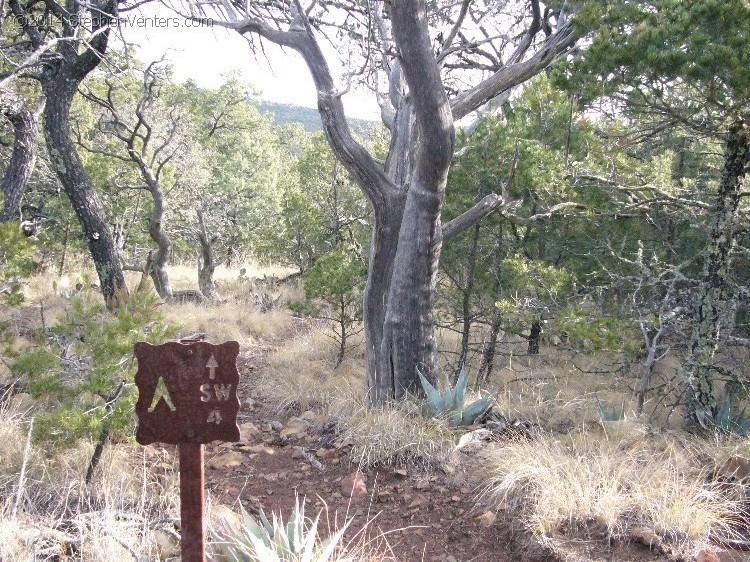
<point x="207" y="54"/>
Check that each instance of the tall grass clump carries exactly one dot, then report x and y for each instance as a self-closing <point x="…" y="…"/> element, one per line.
<point x="589" y="484"/>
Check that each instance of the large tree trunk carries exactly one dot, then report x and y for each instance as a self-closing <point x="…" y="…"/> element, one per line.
<point x="382" y="255"/>
<point x="712" y="307"/>
<point x="25" y="130"/>
<point x="409" y="346"/>
<point x="206" y="262"/>
<point x="59" y="90"/>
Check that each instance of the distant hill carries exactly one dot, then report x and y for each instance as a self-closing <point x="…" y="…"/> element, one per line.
<point x="283" y="114"/>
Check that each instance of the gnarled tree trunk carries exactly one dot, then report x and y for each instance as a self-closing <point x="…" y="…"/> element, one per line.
<point x="206" y="261"/>
<point x="59" y="90"/>
<point x="25" y="131"/>
<point x="407" y="191"/>
<point x="712" y="307"/>
<point x="78" y="52"/>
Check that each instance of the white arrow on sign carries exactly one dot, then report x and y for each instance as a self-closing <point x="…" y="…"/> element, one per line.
<point x="211" y="366"/>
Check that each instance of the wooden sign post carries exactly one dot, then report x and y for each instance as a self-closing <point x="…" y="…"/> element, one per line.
<point x="187" y="395"/>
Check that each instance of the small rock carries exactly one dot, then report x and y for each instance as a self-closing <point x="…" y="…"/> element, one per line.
<point x="737" y="467"/>
<point x="354" y="485"/>
<point x="298" y="452"/>
<point x="456" y="499"/>
<point x="167" y="545"/>
<point x="312" y="417"/>
<point x="474" y="440"/>
<point x="423" y="485"/>
<point x="90" y="400"/>
<point x="276" y="426"/>
<point x="295" y="427"/>
<point x="22" y="402"/>
<point x="488" y="518"/>
<point x="326" y="454"/>
<point x="649" y="538"/>
<point x="707" y="556"/>
<point x="247" y="430"/>
<point x="227" y="460"/>
<point x="419" y="502"/>
<point x="401" y="472"/>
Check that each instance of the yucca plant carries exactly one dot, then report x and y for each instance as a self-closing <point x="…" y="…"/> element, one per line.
<point x="449" y="404"/>
<point x="274" y="541"/>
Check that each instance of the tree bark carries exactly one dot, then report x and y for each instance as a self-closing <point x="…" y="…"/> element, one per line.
<point x="466" y="301"/>
<point x="409" y="346"/>
<point x="407" y="192"/>
<point x="206" y="262"/>
<point x="159" y="259"/>
<point x="714" y="300"/>
<point x="25" y="131"/>
<point x="535" y="335"/>
<point x="59" y="90"/>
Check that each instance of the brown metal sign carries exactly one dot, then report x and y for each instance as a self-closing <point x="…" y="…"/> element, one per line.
<point x="187" y="392"/>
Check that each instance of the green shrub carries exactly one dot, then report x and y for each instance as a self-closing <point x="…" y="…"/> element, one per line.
<point x="89" y="353"/>
<point x="16" y="260"/>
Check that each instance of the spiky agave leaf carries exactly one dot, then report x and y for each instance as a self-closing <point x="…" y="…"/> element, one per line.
<point x="329" y="546"/>
<point x="435" y="399"/>
<point x="470" y="414"/>
<point x="460" y="392"/>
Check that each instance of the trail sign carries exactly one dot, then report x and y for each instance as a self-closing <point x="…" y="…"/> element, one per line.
<point x="187" y="392"/>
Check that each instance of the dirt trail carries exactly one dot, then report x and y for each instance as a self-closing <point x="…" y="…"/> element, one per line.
<point x="422" y="517"/>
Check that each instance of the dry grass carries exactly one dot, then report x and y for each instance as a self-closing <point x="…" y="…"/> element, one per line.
<point x="301" y="378"/>
<point x="587" y="482"/>
<point x="48" y="512"/>
<point x="227" y="321"/>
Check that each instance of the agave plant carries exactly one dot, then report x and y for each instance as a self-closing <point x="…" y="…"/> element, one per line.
<point x="611" y="414"/>
<point x="449" y="404"/>
<point x="737" y="424"/>
<point x="274" y="541"/>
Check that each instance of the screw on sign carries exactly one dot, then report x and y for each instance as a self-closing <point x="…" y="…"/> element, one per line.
<point x="187" y="395"/>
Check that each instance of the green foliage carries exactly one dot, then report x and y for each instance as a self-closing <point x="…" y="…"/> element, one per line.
<point x="318" y="207"/>
<point x="16" y="260"/>
<point x="535" y="292"/>
<point x="592" y="330"/>
<point x="336" y="281"/>
<point x="79" y="363"/>
<point x="337" y="277"/>
<point x="640" y="46"/>
<point x="450" y="404"/>
<point x="275" y="541"/>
